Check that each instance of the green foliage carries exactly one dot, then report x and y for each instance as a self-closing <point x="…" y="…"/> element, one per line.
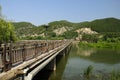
<point x="51" y="34"/>
<point x="100" y="45"/>
<point x="62" y="23"/>
<point x="55" y="38"/>
<point x="70" y="35"/>
<point x="33" y="38"/>
<point x="85" y="44"/>
<point x="24" y="28"/>
<point x="88" y="75"/>
<point x="23" y="25"/>
<point x="88" y="72"/>
<point x="111" y="36"/>
<point x="115" y="75"/>
<point x="90" y="38"/>
<point x="104" y="25"/>
<point x="6" y="32"/>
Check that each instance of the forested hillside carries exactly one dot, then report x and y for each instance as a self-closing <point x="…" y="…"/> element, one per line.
<point x="23" y="28"/>
<point x="104" y="25"/>
<point x="66" y="29"/>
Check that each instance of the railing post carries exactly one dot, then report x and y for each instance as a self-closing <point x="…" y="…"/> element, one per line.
<point x="23" y="52"/>
<point x="36" y="49"/>
<point x="53" y="43"/>
<point x="2" y="59"/>
<point x="6" y="57"/>
<point x="10" y="54"/>
<point x="47" y="46"/>
<point x="39" y="48"/>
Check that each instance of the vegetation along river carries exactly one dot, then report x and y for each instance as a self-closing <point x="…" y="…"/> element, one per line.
<point x="73" y="65"/>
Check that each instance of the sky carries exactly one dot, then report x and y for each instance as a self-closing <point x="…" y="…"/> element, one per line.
<point x="40" y="12"/>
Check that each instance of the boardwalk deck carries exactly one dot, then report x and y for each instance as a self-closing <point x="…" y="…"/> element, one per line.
<point x="39" y="53"/>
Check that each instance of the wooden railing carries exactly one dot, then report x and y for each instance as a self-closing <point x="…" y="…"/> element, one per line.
<point x="13" y="54"/>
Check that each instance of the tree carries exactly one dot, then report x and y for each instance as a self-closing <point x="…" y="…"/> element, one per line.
<point x="6" y="32"/>
<point x="70" y="35"/>
<point x="46" y="28"/>
<point x="90" y="38"/>
<point x="51" y="34"/>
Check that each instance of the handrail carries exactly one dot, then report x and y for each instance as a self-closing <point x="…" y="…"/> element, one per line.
<point x="13" y="54"/>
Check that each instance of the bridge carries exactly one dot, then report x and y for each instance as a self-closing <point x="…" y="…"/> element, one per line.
<point x="23" y="60"/>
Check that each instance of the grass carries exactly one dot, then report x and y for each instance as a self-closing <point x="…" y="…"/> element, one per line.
<point x="115" y="76"/>
<point x="88" y="72"/>
<point x="88" y="75"/>
<point x="100" y="45"/>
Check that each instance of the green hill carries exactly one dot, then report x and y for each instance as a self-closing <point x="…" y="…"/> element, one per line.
<point x="23" y="28"/>
<point x="63" y="23"/>
<point x="104" y="25"/>
<point x="65" y="28"/>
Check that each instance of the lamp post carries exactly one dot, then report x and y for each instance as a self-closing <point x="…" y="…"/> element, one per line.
<point x="46" y="27"/>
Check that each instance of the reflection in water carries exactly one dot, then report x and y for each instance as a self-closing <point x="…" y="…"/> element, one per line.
<point x="53" y="75"/>
<point x="106" y="56"/>
<point x="79" y="59"/>
<point x="57" y="75"/>
<point x="80" y="51"/>
<point x="87" y="52"/>
<point x="72" y="66"/>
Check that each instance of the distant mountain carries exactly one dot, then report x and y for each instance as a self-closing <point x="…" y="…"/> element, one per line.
<point x="64" y="27"/>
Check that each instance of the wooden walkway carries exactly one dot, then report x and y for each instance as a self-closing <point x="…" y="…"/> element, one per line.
<point x="17" y="56"/>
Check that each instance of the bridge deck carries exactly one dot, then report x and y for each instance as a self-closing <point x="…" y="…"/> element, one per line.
<point x="18" y="57"/>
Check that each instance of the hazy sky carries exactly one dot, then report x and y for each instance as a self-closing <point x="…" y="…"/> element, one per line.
<point x="44" y="11"/>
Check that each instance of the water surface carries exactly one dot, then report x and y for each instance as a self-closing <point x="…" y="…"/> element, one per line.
<point x="72" y="66"/>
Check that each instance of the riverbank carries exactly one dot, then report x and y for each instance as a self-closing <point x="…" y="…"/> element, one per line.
<point x="100" y="45"/>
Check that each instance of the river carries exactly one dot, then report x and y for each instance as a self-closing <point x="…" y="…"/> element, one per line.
<point x="72" y="66"/>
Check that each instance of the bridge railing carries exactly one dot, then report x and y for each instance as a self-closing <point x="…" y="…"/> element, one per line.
<point x="16" y="53"/>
